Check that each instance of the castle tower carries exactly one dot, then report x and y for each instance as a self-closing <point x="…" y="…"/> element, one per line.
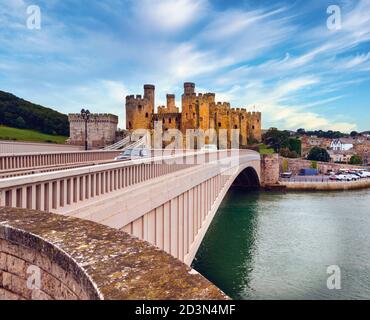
<point x="189" y="117"/>
<point x="239" y="121"/>
<point x="221" y="118"/>
<point x="254" y="126"/>
<point x="149" y="94"/>
<point x="171" y="105"/>
<point x="140" y="110"/>
<point x="101" y="129"/>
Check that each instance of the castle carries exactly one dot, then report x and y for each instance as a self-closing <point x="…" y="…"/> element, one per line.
<point x="101" y="129"/>
<point x="199" y="111"/>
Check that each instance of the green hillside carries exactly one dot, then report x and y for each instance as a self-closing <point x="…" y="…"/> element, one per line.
<point x="18" y="113"/>
<point x="14" y="134"/>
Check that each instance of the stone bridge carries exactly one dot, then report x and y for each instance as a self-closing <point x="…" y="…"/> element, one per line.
<point x="168" y="200"/>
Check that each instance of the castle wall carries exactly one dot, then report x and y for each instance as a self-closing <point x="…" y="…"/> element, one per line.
<point x="101" y="129"/>
<point x="169" y="120"/>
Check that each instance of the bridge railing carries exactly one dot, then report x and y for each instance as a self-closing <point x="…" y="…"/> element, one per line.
<point x="51" y="191"/>
<point x="30" y="160"/>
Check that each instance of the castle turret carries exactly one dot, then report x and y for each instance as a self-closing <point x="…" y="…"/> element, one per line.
<point x="254" y="126"/>
<point x="189" y="88"/>
<point x="171" y="102"/>
<point x="149" y="94"/>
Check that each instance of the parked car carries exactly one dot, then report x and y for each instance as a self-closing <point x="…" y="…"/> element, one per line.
<point x="132" y="154"/>
<point x="361" y="173"/>
<point x="353" y="176"/>
<point x="209" y="147"/>
<point x="345" y="177"/>
<point x="366" y="174"/>
<point x="286" y="174"/>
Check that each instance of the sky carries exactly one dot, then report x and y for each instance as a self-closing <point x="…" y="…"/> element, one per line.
<point x="277" y="57"/>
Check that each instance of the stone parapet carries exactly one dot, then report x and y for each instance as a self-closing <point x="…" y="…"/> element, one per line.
<point x="80" y="259"/>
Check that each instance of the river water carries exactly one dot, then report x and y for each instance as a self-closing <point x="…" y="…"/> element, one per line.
<point x="264" y="245"/>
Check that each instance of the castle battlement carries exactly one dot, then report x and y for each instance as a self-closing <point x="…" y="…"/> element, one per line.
<point x="254" y="114"/>
<point x="135" y="99"/>
<point x="97" y="117"/>
<point x="224" y="105"/>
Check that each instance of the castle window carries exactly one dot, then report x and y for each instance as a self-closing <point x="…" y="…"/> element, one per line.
<point x="129" y="125"/>
<point x="146" y="115"/>
<point x="219" y="124"/>
<point x="169" y="120"/>
<point x="235" y="127"/>
<point x="163" y="120"/>
<point x="228" y="113"/>
<point x="242" y="117"/>
<point x="193" y="114"/>
<point x="258" y="120"/>
<point x="253" y="127"/>
<point x="140" y="107"/>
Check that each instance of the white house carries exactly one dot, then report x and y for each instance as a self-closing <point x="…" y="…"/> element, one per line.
<point x="341" y="145"/>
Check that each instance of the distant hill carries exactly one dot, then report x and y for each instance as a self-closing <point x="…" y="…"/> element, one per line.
<point x="18" y="113"/>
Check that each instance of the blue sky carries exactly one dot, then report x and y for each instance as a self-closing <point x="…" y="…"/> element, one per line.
<point x="278" y="57"/>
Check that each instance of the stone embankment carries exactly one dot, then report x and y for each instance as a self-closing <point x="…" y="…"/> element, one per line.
<point x="273" y="165"/>
<point x="326" y="185"/>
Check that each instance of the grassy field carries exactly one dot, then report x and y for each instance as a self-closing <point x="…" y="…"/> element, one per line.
<point x="7" y="133"/>
<point x="265" y="149"/>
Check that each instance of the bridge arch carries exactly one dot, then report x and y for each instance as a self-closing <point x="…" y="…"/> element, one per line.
<point x="247" y="178"/>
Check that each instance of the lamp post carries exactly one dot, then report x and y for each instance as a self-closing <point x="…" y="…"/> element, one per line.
<point x="85" y="114"/>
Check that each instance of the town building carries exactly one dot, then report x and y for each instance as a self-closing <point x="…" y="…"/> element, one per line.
<point x="308" y="142"/>
<point x="341" y="156"/>
<point x="342" y="144"/>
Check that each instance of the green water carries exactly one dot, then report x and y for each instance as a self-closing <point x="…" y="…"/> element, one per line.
<point x="278" y="246"/>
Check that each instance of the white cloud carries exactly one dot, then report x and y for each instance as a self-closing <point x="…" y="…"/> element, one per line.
<point x="168" y="15"/>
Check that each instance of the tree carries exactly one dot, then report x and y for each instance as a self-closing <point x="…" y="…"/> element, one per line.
<point x="19" y="123"/>
<point x="356" y="159"/>
<point x="354" y="134"/>
<point x="285" y="165"/>
<point x="276" y="139"/>
<point x="314" y="164"/>
<point x="282" y="143"/>
<point x="318" y="154"/>
<point x="301" y="131"/>
<point x="295" y="145"/>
